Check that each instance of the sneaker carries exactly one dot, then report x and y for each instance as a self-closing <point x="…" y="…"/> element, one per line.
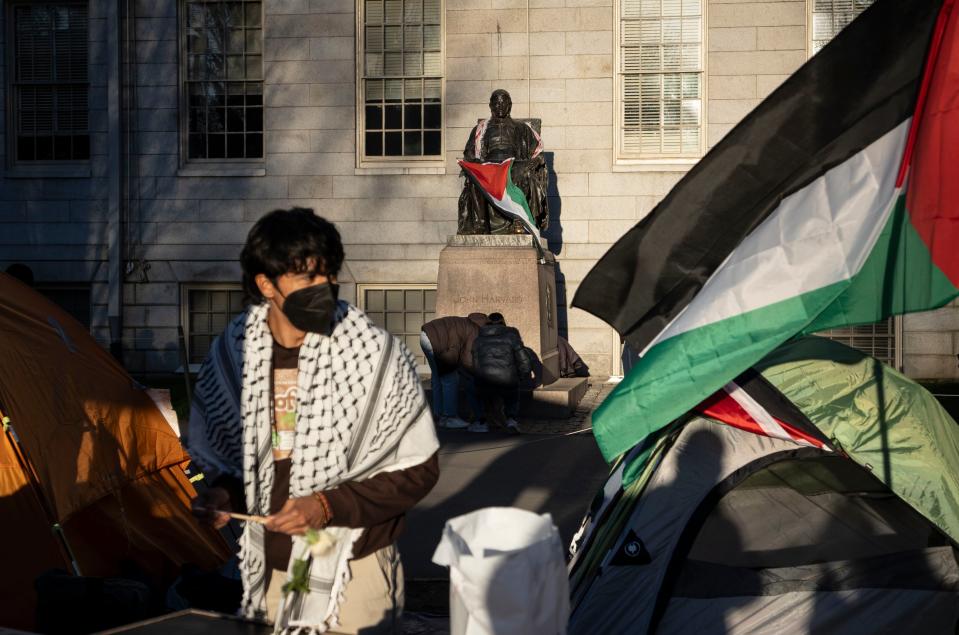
<point x="453" y="423"/>
<point x="512" y="426"/>
<point x="478" y="426"/>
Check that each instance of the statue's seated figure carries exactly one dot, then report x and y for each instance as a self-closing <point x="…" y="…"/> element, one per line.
<point x="494" y="140"/>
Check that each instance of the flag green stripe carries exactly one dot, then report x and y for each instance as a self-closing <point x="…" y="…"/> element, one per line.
<point x="676" y="374"/>
<point x="899" y="276"/>
<point x="516" y="194"/>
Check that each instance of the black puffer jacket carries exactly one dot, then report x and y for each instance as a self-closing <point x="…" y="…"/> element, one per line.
<point x="499" y="357"/>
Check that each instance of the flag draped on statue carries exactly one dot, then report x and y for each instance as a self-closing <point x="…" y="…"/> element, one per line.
<point x="493" y="179"/>
<point x="835" y="202"/>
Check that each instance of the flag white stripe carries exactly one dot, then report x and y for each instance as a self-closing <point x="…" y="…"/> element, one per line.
<point x="761" y="416"/>
<point x="818" y="236"/>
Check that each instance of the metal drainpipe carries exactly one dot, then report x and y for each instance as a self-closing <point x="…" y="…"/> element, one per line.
<point x="114" y="179"/>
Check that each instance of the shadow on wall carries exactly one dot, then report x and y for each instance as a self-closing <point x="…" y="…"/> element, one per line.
<point x="554" y="238"/>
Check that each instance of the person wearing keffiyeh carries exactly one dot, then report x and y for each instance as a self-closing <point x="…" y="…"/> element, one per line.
<point x="307" y="413"/>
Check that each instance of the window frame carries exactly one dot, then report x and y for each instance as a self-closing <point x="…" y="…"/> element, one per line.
<point x="362" y="288"/>
<point x="810" y="15"/>
<point x="405" y="164"/>
<point x="54" y="168"/>
<point x="213" y="167"/>
<point x="184" y="312"/>
<point x="625" y="162"/>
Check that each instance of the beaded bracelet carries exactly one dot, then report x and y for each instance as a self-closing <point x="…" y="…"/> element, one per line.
<point x="327" y="511"/>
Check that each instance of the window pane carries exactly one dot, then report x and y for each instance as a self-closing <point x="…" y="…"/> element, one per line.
<point x="225" y="42"/>
<point x="374" y="144"/>
<point x="412" y="116"/>
<point x="406" y="49"/>
<point x="402" y="312"/>
<point x="832" y="16"/>
<point x="206" y="315"/>
<point x="50" y="86"/>
<point x="660" y="68"/>
<point x="374" y="118"/>
<point x="431" y="142"/>
<point x="394" y="144"/>
<point x="431" y="116"/>
<point x="394" y="117"/>
<point x="374" y="11"/>
<point x="412" y="143"/>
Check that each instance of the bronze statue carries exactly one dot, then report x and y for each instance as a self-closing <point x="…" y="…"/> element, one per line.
<point x="495" y="140"/>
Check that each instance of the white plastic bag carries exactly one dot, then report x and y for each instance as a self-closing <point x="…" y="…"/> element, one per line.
<point x="507" y="573"/>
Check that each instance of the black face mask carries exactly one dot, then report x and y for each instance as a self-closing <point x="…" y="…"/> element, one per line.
<point x="311" y="309"/>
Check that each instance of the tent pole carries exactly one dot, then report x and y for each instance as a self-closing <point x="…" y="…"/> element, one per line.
<point x="31" y="474"/>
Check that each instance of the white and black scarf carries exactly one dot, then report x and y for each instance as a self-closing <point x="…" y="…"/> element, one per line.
<point x="361" y="410"/>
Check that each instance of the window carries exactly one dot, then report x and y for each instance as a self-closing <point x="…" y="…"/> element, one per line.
<point x="223" y="80"/>
<point x="205" y="310"/>
<point x="72" y="298"/>
<point x="401" y="80"/>
<point x="400" y="310"/>
<point x="829" y="17"/>
<point x="660" y="79"/>
<point x="49" y="112"/>
<point x="881" y="340"/>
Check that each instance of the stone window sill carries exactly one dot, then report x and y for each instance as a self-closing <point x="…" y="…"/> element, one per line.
<point x="49" y="171"/>
<point x="654" y="165"/>
<point x="386" y="168"/>
<point x="222" y="169"/>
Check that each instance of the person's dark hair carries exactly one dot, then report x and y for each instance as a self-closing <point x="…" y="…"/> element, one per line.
<point x="285" y="241"/>
<point x="496" y="318"/>
<point x="21" y="272"/>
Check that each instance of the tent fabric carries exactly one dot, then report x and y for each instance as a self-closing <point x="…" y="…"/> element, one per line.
<point x="100" y="455"/>
<point x="728" y="531"/>
<point x="28" y="547"/>
<point x="703" y="455"/>
<point x="930" y="569"/>
<point x="883" y="420"/>
<point x="866" y="610"/>
<point x="812" y="510"/>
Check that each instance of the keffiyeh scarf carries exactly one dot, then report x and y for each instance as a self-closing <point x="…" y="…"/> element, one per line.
<point x="361" y="410"/>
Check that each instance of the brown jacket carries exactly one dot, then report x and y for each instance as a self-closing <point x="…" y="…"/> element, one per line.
<point x="452" y="340"/>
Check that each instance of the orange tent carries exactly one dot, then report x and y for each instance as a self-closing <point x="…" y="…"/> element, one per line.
<point x="91" y="473"/>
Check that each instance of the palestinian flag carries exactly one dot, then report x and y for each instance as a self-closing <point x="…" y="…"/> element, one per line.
<point x="493" y="179"/>
<point x="752" y="404"/>
<point x="835" y="202"/>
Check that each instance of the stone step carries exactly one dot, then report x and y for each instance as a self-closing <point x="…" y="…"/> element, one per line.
<point x="557" y="400"/>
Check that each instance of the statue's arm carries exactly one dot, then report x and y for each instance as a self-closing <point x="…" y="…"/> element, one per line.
<point x="469" y="152"/>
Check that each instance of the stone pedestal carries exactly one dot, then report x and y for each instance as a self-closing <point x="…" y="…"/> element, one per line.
<point x="488" y="273"/>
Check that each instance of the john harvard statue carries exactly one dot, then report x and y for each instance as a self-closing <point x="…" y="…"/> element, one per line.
<point x="494" y="140"/>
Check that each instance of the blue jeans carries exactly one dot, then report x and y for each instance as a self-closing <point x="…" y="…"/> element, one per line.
<point x="445" y="387"/>
<point x="470" y="388"/>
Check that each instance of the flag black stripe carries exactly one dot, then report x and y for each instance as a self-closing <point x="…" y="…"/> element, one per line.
<point x="859" y="87"/>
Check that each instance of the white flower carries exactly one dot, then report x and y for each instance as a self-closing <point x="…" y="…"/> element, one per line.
<point x="322" y="544"/>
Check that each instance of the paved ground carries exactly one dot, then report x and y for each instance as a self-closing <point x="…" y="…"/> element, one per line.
<point x="553" y="467"/>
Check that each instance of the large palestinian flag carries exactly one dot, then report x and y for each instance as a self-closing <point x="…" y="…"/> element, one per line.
<point x="494" y="180"/>
<point x="835" y="202"/>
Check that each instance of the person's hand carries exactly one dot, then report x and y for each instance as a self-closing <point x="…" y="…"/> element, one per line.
<point x="297" y="515"/>
<point x="211" y="506"/>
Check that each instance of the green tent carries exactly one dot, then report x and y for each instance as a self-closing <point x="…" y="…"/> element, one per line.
<point x="711" y="528"/>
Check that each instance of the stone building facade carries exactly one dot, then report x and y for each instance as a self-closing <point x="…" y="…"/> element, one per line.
<point x="140" y="230"/>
